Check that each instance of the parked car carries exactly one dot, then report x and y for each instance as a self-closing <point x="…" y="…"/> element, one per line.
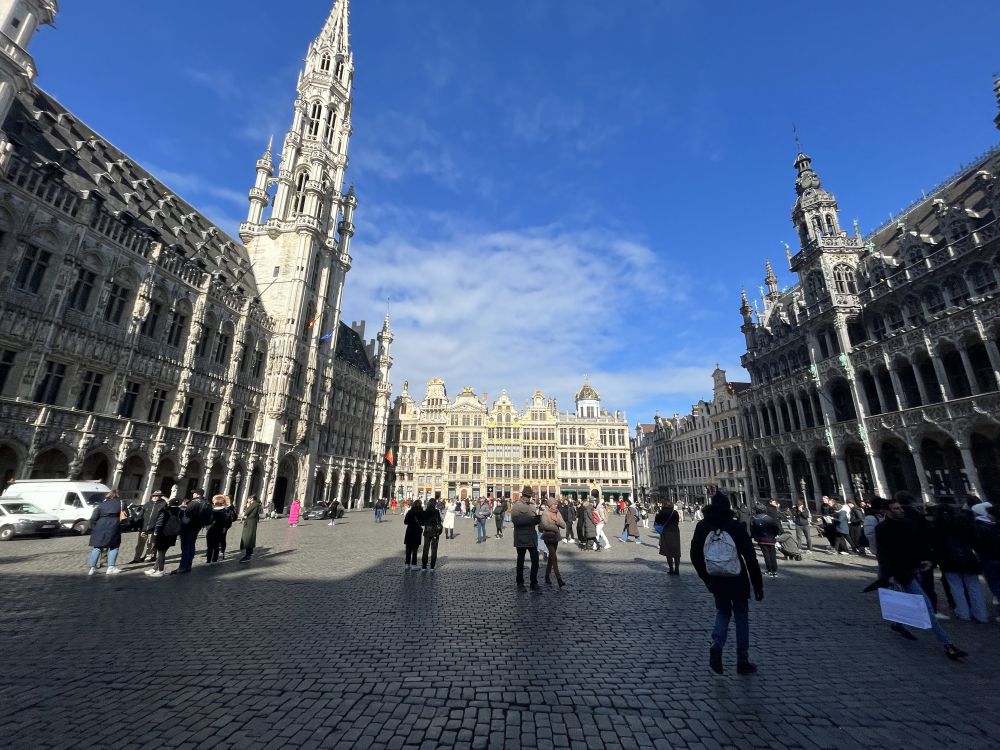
<point x="18" y="518"/>
<point x="317" y="513"/>
<point x="72" y="502"/>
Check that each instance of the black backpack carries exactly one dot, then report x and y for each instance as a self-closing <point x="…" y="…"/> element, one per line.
<point x="204" y="515"/>
<point x="172" y="524"/>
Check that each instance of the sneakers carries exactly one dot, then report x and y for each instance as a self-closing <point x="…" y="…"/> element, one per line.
<point x="156" y="574"/>
<point x="407" y="566"/>
<point x="113" y="571"/>
<point x="535" y="588"/>
<point x="715" y="658"/>
<point x="745" y="667"/>
<point x="423" y="570"/>
<point x="941" y="616"/>
<point x="431" y="570"/>
<point x="91" y="571"/>
<point x="150" y="571"/>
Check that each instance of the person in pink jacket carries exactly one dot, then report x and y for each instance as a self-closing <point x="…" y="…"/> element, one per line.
<point x="293" y="512"/>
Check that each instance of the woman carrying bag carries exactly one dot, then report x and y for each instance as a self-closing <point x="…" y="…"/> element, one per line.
<point x="106" y="532"/>
<point x="667" y="523"/>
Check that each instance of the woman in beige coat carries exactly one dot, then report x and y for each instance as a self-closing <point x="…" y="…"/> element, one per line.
<point x="552" y="524"/>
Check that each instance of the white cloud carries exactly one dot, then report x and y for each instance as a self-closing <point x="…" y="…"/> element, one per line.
<point x="521" y="309"/>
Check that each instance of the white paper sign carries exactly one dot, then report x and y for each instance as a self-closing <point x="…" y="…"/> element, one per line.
<point x="906" y="609"/>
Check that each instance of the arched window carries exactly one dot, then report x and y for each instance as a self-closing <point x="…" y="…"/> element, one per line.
<point x="331" y="124"/>
<point x="982" y="279"/>
<point x="817" y="226"/>
<point x="299" y="205"/>
<point x="829" y="223"/>
<point x="843" y="278"/>
<point x="315" y="117"/>
<point x="933" y="299"/>
<point x="324" y="63"/>
<point x="878" y="325"/>
<point x="815" y="288"/>
<point x="894" y="318"/>
<point x="956" y="291"/>
<point x="340" y="69"/>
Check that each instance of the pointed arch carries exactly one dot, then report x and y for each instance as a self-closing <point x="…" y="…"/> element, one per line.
<point x="844" y="279"/>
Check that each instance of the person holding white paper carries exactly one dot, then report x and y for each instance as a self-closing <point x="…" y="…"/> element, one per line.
<point x="902" y="553"/>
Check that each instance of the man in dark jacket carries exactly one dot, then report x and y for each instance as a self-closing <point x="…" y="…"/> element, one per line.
<point x="190" y="526"/>
<point x="524" y="517"/>
<point x="732" y="593"/>
<point x="568" y="511"/>
<point x="803" y="520"/>
<point x="903" y="552"/>
<point x="144" y="545"/>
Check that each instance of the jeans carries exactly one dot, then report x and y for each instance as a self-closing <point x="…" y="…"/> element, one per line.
<point x="378" y="515"/>
<point x="803" y="531"/>
<point x="533" y="552"/>
<point x="725" y="607"/>
<point x="969" y="600"/>
<point x="431" y="549"/>
<point x="601" y="535"/>
<point x="914" y="587"/>
<point x="95" y="555"/>
<point x="188" y="539"/>
<point x="991" y="571"/>
<point x="480" y="529"/>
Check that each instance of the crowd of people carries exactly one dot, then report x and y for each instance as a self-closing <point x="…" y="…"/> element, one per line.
<point x="164" y="523"/>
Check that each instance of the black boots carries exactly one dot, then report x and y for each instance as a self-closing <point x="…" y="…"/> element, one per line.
<point x="715" y="658"/>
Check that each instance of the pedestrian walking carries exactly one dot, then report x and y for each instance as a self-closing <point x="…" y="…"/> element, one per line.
<point x="723" y="555"/>
<point x="106" y="532"/>
<point x="165" y="531"/>
<point x="222" y="519"/>
<point x="294" y="510"/>
<point x="231" y="508"/>
<point x="552" y="524"/>
<point x="379" y="509"/>
<point x="903" y="552"/>
<point x="433" y="524"/>
<point x="630" y="532"/>
<point x="802" y="520"/>
<point x="764" y="530"/>
<point x="449" y="519"/>
<point x="855" y="526"/>
<point x="987" y="540"/>
<point x="393" y="504"/>
<point x="251" y="517"/>
<point x="954" y="540"/>
<point x="586" y="520"/>
<point x="524" y="517"/>
<point x="144" y="545"/>
<point x="499" y="508"/>
<point x="568" y="511"/>
<point x="602" y="540"/>
<point x="483" y="511"/>
<point x="413" y="533"/>
<point x="667" y="522"/>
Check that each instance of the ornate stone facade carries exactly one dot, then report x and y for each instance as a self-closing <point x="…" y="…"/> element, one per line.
<point x="691" y="456"/>
<point x="878" y="371"/>
<point x="462" y="449"/>
<point x="141" y="345"/>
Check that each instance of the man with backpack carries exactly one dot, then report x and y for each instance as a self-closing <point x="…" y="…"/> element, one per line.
<point x="723" y="556"/>
<point x="195" y="514"/>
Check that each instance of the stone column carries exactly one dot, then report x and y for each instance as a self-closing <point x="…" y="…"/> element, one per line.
<point x="793" y="485"/>
<point x="942" y="376"/>
<point x="918" y="463"/>
<point x="993" y="352"/>
<point x="878" y="475"/>
<point x="897" y="387"/>
<point x="884" y="405"/>
<point x="843" y="477"/>
<point x="752" y="492"/>
<point x="341" y="476"/>
<point x="801" y="411"/>
<point x="970" y="374"/>
<point x="773" y="489"/>
<point x="817" y="487"/>
<point x="356" y="490"/>
<point x="920" y="384"/>
<point x="971" y="472"/>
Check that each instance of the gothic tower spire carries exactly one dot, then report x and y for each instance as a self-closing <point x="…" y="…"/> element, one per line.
<point x="996" y="90"/>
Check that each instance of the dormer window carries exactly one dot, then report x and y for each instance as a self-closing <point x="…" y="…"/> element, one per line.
<point x="324" y="63"/>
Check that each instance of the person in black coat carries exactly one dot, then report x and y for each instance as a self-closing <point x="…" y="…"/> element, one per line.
<point x="433" y="526"/>
<point x="903" y="553"/>
<point x="568" y="511"/>
<point x="765" y="529"/>
<point x="222" y="519"/>
<point x="414" y="533"/>
<point x="732" y="593"/>
<point x="144" y="544"/>
<point x="165" y="531"/>
<point x="668" y="519"/>
<point x="106" y="532"/>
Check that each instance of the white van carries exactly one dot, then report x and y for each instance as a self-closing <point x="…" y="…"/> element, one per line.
<point x="72" y="502"/>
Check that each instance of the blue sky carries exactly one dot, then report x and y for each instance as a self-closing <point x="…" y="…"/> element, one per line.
<point x="550" y="188"/>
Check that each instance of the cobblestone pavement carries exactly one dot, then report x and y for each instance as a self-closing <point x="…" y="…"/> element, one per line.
<point x="323" y="641"/>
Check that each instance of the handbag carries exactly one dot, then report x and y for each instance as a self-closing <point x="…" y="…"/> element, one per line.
<point x="658" y="528"/>
<point x="624" y="535"/>
<point x="904" y="608"/>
